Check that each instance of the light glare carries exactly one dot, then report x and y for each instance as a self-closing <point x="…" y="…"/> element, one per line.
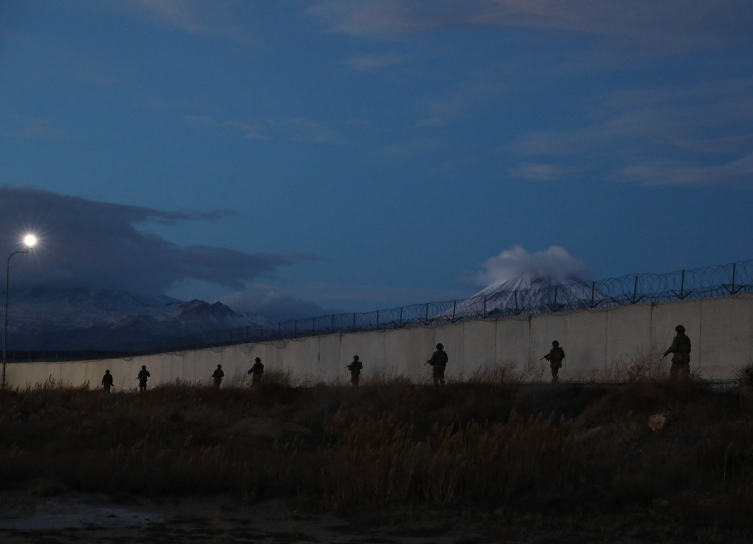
<point x="30" y="240"/>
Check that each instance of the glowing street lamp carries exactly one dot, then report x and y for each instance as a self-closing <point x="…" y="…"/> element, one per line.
<point x="30" y="240"/>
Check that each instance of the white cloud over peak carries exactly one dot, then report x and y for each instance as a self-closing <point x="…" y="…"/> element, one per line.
<point x="554" y="262"/>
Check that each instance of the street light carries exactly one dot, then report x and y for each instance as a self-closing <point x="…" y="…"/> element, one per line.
<point x="30" y="240"/>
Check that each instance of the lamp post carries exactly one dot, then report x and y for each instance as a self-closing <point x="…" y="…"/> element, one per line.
<point x="30" y="240"/>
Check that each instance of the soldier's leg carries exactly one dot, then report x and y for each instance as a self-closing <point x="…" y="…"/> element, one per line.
<point x="441" y="378"/>
<point x="436" y="380"/>
<point x="674" y="371"/>
<point x="685" y="371"/>
<point x="555" y="379"/>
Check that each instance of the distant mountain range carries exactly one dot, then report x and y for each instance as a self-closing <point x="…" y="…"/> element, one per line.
<point x="64" y="319"/>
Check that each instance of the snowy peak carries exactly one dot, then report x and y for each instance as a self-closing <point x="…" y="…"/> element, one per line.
<point x="526" y="292"/>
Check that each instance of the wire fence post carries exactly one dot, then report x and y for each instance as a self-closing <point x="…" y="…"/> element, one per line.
<point x="377" y="320"/>
<point x="454" y="307"/>
<point x="354" y="320"/>
<point x="400" y="323"/>
<point x="426" y="318"/>
<point x="333" y="322"/>
<point x="484" y="306"/>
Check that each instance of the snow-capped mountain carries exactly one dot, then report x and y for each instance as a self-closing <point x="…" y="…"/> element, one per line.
<point x="62" y="319"/>
<point x="525" y="293"/>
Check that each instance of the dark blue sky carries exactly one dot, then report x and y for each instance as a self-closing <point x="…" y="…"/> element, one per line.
<point x="380" y="152"/>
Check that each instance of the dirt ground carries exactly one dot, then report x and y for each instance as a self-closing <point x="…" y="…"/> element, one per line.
<point x="27" y="517"/>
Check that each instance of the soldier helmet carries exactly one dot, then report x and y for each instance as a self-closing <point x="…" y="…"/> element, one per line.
<point x="143" y="367"/>
<point x="680" y="328"/>
<point x="258" y="359"/>
<point x="219" y="366"/>
<point x="555" y="343"/>
<point x="107" y="371"/>
<point x="355" y="357"/>
<point x="440" y="346"/>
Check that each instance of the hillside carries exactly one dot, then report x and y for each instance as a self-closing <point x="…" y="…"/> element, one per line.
<point x="61" y="319"/>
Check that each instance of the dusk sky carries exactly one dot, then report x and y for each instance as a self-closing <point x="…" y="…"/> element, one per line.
<point x="362" y="154"/>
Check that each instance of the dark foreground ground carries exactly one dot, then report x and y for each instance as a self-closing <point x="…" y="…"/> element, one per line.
<point x="388" y="462"/>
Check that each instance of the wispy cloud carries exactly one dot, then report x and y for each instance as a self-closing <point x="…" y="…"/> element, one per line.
<point x="677" y="24"/>
<point x="289" y="128"/>
<point x="457" y="100"/>
<point x="542" y="171"/>
<point x="376" y="62"/>
<point x="696" y="135"/>
<point x="191" y="16"/>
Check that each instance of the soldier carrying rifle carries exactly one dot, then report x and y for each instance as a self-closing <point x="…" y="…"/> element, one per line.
<point x="256" y="372"/>
<point x="438" y="363"/>
<point x="555" y="356"/>
<point x="355" y="370"/>
<point x="680" y="349"/>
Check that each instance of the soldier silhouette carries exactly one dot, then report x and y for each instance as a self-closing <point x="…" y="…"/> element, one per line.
<point x="438" y="363"/>
<point x="142" y="377"/>
<point x="218" y="375"/>
<point x="555" y="356"/>
<point x="355" y="370"/>
<point x="256" y="372"/>
<point x="680" y="349"/>
<point x="107" y="381"/>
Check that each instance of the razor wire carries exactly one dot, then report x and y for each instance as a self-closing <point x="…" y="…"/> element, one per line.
<point x="711" y="281"/>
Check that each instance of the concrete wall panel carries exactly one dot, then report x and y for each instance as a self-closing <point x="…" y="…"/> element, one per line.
<point x="328" y="367"/>
<point x="479" y="345"/>
<point x="585" y="344"/>
<point x="512" y="342"/>
<point x="397" y="351"/>
<point x="726" y="336"/>
<point x="628" y="332"/>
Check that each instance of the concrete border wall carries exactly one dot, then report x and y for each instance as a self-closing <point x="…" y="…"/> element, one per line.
<point x="721" y="330"/>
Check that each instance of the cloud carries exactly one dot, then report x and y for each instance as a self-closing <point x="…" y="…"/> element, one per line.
<point x="375" y="62"/>
<point x="457" y="100"/>
<point x="555" y="262"/>
<point x="296" y="129"/>
<point x="273" y="306"/>
<point x="190" y="16"/>
<point x="97" y="245"/>
<point x="737" y="172"/>
<point x="541" y="171"/>
<point x="677" y="24"/>
<point x="699" y="135"/>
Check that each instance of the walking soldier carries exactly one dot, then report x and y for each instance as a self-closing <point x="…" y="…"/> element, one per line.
<point x="355" y="370"/>
<point x="555" y="356"/>
<point x="680" y="349"/>
<point x="218" y="375"/>
<point x="438" y="362"/>
<point x="256" y="372"/>
<point x="107" y="381"/>
<point x="143" y="375"/>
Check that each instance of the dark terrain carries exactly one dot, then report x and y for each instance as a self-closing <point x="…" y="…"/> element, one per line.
<point x="387" y="462"/>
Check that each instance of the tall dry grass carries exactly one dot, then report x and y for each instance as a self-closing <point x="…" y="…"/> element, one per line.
<point x="391" y="442"/>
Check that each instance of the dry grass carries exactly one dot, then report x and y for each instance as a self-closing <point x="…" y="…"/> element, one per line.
<point x="390" y="442"/>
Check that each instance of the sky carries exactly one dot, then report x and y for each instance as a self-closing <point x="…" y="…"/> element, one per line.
<point x="361" y="154"/>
